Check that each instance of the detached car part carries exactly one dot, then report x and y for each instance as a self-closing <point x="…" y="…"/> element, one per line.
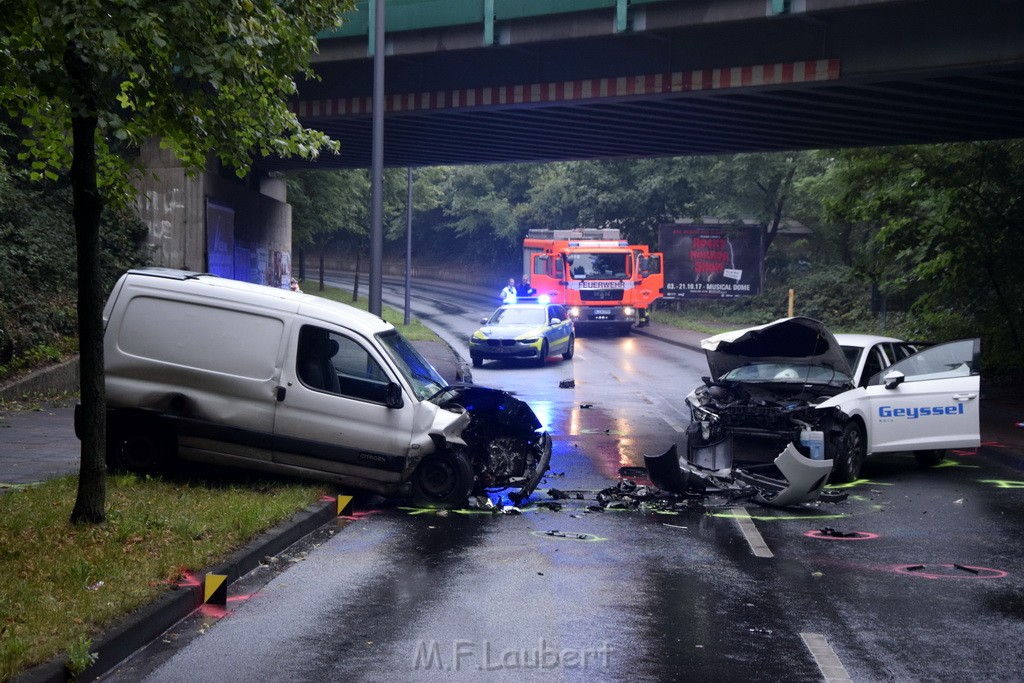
<point x="802" y="479"/>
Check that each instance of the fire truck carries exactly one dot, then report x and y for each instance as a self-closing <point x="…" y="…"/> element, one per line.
<point x="602" y="279"/>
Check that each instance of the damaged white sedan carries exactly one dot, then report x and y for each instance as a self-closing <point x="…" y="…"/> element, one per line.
<point x="783" y="393"/>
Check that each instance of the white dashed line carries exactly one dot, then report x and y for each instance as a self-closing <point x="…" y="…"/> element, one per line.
<point x="751" y="533"/>
<point x="825" y="657"/>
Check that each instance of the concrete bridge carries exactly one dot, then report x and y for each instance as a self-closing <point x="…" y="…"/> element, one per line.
<point x="474" y="81"/>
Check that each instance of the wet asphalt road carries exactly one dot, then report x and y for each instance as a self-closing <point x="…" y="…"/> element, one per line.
<point x="929" y="588"/>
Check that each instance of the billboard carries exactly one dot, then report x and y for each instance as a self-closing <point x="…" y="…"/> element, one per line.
<point x="711" y="259"/>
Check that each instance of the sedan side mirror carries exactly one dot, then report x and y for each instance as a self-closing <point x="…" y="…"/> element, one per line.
<point x="894" y="379"/>
<point x="555" y="321"/>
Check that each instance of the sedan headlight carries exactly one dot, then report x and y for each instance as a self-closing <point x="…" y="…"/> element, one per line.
<point x="532" y="340"/>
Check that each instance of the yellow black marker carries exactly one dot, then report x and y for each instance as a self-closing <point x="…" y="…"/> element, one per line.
<point x="216" y="589"/>
<point x="344" y="505"/>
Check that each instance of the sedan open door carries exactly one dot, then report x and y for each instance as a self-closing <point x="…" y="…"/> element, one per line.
<point x="927" y="402"/>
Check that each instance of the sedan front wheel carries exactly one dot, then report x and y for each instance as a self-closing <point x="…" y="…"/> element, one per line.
<point x="850" y="452"/>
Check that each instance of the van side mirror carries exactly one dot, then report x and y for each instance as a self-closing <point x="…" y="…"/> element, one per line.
<point x="393" y="397"/>
<point x="894" y="379"/>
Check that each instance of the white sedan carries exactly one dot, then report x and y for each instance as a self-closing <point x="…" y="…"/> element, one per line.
<point x="925" y="403"/>
<point x="792" y="380"/>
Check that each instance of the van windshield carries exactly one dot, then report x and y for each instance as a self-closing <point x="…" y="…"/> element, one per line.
<point x="424" y="379"/>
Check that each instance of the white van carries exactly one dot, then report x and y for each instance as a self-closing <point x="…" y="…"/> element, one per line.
<point x="238" y="374"/>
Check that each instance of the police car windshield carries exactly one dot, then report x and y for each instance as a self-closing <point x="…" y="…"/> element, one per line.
<point x="516" y="315"/>
<point x="424" y="379"/>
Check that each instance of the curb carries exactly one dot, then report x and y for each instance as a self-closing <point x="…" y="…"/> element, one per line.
<point x="146" y="624"/>
<point x="645" y="332"/>
<point x="57" y="379"/>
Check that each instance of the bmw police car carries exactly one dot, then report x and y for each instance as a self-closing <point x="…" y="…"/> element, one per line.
<point x="532" y="330"/>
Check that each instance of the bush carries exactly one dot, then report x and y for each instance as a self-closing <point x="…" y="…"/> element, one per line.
<point x="833" y="294"/>
<point x="38" y="273"/>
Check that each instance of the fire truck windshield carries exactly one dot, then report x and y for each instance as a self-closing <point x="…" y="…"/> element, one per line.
<point x="597" y="265"/>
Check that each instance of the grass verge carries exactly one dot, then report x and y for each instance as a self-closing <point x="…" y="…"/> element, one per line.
<point x="64" y="584"/>
<point x="414" y="331"/>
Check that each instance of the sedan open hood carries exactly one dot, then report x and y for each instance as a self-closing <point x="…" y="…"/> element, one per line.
<point x="787" y="340"/>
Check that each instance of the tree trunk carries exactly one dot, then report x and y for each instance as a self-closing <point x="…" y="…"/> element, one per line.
<point x="778" y="204"/>
<point x="355" y="280"/>
<point x="87" y="207"/>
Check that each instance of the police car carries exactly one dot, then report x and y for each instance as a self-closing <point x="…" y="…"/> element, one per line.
<point x="527" y="329"/>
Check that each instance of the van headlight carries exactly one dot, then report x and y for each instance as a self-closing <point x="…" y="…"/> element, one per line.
<point x="574" y="311"/>
<point x="627" y="310"/>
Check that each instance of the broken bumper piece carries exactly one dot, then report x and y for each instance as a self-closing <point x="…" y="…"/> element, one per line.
<point x="543" y="455"/>
<point x="802" y="479"/>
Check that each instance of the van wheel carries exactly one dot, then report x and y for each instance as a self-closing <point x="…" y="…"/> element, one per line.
<point x="930" y="458"/>
<point x="851" y="450"/>
<point x="144" y="448"/>
<point x="442" y="480"/>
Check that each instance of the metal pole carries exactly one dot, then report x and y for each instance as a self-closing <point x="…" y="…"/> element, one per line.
<point x="377" y="166"/>
<point x="408" y="243"/>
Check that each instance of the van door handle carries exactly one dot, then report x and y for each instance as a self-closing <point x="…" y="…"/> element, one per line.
<point x="964" y="397"/>
<point x="281" y="391"/>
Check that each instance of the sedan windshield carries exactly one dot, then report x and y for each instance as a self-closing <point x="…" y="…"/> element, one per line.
<point x="518" y="316"/>
<point x="421" y="375"/>
<point x="786" y="372"/>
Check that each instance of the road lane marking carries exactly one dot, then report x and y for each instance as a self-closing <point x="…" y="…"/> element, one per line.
<point x="825" y="657"/>
<point x="751" y="533"/>
<point x="680" y="429"/>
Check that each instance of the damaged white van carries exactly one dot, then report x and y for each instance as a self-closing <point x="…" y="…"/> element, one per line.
<point x="232" y="373"/>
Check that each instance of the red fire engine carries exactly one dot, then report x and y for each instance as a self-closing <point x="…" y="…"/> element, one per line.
<point x="602" y="279"/>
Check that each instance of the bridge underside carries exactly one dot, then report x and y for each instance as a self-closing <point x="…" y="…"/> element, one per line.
<point x="884" y="73"/>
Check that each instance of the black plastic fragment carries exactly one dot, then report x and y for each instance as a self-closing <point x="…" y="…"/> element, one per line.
<point x="829" y="531"/>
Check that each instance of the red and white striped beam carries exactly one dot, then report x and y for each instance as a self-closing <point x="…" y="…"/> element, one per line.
<point x="586" y="89"/>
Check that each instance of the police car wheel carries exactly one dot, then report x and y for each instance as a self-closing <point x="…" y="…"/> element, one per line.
<point x="477" y="362"/>
<point x="570" y="349"/>
<point x="850" y="453"/>
<point x="929" y="458"/>
<point x="543" y="357"/>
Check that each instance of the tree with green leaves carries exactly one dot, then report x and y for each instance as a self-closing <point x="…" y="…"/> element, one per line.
<point x="325" y="206"/>
<point x="946" y="221"/>
<point x="90" y="81"/>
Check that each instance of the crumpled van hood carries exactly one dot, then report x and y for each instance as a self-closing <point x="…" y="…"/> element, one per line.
<point x="787" y="340"/>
